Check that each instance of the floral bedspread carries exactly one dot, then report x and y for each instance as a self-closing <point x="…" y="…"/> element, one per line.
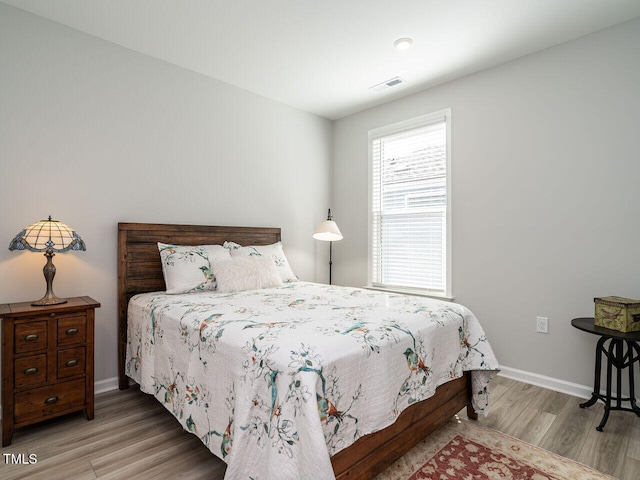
<point x="276" y="381"/>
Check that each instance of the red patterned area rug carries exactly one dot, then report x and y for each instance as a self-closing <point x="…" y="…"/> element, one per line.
<point x="467" y="450"/>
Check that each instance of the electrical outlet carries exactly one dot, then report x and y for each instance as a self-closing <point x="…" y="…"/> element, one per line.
<point x="542" y="325"/>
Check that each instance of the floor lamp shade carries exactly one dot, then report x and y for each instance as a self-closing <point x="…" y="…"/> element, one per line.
<point x="328" y="231"/>
<point x="51" y="237"/>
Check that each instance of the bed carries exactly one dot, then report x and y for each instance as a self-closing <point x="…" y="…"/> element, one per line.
<point x="352" y="448"/>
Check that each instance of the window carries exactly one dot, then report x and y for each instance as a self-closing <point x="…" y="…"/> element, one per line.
<point x="410" y="228"/>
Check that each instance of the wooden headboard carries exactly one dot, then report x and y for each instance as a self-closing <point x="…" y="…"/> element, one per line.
<point x="139" y="268"/>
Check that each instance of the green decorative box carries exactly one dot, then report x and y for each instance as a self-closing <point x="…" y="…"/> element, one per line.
<point x="617" y="313"/>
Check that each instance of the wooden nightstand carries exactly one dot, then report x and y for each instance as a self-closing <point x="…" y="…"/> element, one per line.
<point x="47" y="362"/>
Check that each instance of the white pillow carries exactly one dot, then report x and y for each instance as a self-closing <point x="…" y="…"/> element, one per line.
<point x="187" y="269"/>
<point x="273" y="251"/>
<point x="245" y="273"/>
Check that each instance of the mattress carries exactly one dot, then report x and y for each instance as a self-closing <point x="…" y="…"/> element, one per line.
<point x="275" y="381"/>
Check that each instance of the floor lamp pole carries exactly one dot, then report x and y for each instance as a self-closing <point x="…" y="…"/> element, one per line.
<point x="330" y="260"/>
<point x="328" y="231"/>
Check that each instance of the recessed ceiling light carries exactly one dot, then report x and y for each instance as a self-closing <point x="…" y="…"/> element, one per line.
<point x="403" y="43"/>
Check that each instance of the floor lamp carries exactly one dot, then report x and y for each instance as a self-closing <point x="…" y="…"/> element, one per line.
<point x="328" y="231"/>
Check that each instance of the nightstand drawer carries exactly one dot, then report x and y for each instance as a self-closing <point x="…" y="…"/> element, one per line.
<point x="44" y="401"/>
<point x="72" y="330"/>
<point x="71" y="362"/>
<point x="30" y="337"/>
<point x="30" y="371"/>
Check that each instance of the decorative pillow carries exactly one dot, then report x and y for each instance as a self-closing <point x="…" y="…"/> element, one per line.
<point x="273" y="251"/>
<point x="187" y="269"/>
<point x="231" y="245"/>
<point x="236" y="274"/>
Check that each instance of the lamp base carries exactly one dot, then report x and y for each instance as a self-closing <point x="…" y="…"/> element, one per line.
<point x="49" y="300"/>
<point x="49" y="271"/>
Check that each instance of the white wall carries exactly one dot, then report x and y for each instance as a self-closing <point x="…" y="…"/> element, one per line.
<point x="95" y="134"/>
<point x="546" y="196"/>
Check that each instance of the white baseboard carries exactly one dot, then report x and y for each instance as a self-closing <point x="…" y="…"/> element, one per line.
<point x="107" y="385"/>
<point x="562" y="386"/>
<point x="550" y="383"/>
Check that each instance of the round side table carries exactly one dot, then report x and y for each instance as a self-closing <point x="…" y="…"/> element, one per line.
<point x="616" y="357"/>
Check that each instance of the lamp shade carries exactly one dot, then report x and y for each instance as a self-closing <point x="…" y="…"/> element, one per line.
<point x="328" y="231"/>
<point x="47" y="235"/>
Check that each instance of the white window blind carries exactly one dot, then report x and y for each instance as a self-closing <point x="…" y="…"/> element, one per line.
<point x="409" y="205"/>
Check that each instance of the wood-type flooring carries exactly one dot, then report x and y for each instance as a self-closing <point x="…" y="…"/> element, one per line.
<point x="134" y="437"/>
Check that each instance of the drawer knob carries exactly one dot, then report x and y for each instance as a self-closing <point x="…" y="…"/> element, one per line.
<point x="51" y="400"/>
<point x="72" y="331"/>
<point x="31" y="337"/>
<point x="71" y="363"/>
<point x="30" y="370"/>
<point x="52" y="314"/>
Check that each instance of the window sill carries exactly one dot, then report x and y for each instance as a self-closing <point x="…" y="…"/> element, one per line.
<point x="410" y="291"/>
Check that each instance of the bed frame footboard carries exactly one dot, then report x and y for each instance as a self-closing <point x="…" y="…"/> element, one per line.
<point x="371" y="454"/>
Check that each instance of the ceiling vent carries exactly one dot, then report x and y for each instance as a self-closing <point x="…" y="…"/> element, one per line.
<point x="387" y="84"/>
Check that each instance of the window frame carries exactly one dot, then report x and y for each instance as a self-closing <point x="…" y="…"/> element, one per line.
<point x="410" y="124"/>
